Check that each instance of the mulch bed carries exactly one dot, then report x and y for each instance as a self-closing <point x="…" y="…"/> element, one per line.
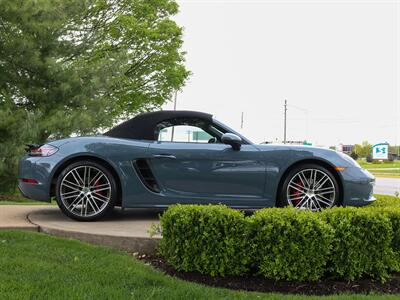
<point x="260" y="284"/>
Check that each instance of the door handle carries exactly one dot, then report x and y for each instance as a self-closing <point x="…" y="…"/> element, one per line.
<point x="169" y="156"/>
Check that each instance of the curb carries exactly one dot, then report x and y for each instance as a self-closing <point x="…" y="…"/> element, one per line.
<point x="130" y="244"/>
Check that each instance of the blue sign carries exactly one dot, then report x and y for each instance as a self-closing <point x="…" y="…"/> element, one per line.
<point x="380" y="151"/>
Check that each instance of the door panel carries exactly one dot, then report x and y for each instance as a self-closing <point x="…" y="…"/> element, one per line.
<point x="213" y="172"/>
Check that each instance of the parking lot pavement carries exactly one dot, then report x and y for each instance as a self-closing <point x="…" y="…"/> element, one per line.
<point x="387" y="186"/>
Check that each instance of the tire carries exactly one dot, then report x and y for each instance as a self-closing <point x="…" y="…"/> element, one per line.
<point x="86" y="191"/>
<point x="309" y="186"/>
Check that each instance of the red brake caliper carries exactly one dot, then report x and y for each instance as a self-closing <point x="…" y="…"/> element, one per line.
<point x="97" y="184"/>
<point x="297" y="194"/>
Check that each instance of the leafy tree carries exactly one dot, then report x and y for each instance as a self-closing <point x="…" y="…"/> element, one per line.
<point x="363" y="150"/>
<point x="78" y="66"/>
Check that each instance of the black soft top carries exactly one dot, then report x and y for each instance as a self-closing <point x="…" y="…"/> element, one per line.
<point x="143" y="126"/>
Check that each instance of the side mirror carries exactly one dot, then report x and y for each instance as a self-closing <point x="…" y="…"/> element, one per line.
<point x="233" y="140"/>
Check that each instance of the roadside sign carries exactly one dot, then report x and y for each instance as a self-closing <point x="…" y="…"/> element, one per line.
<point x="380" y="151"/>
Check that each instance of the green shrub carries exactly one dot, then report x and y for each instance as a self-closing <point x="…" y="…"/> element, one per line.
<point x="208" y="239"/>
<point x="290" y="244"/>
<point x="384" y="201"/>
<point x="393" y="213"/>
<point x="284" y="243"/>
<point x="361" y="245"/>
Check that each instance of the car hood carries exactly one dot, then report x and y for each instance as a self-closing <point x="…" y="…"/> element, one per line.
<point x="308" y="152"/>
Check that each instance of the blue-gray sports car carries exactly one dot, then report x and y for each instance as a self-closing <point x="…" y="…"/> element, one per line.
<point x="160" y="158"/>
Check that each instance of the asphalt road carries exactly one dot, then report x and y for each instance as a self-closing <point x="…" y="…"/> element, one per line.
<point x="387" y="186"/>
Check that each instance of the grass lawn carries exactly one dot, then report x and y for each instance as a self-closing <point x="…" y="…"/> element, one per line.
<point x="27" y="202"/>
<point x="384" y="164"/>
<point x="15" y="199"/>
<point x="37" y="266"/>
<point x="382" y="169"/>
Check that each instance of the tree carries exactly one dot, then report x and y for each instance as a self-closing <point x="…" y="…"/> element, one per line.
<point x="78" y="66"/>
<point x="363" y="150"/>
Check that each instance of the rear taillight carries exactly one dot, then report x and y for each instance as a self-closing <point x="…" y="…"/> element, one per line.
<point x="29" y="180"/>
<point x="41" y="150"/>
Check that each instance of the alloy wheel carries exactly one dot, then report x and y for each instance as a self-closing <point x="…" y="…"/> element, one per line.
<point x="311" y="189"/>
<point x="85" y="191"/>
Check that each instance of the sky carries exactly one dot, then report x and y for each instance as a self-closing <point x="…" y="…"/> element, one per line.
<point x="336" y="62"/>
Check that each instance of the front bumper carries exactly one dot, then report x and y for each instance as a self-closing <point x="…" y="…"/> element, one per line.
<point x="358" y="187"/>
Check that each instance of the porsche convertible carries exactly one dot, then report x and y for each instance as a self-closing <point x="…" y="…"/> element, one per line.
<point x="161" y="158"/>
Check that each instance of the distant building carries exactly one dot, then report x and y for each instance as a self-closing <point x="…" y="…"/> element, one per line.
<point x="345" y="148"/>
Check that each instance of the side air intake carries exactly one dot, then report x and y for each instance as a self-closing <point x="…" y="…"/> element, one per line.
<point x="146" y="175"/>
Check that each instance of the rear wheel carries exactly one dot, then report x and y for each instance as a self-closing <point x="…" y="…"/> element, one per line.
<point x="86" y="191"/>
<point x="309" y="186"/>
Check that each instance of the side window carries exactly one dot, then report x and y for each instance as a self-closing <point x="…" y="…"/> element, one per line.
<point x="184" y="133"/>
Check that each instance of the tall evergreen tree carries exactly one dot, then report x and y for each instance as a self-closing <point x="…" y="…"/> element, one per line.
<point x="77" y="66"/>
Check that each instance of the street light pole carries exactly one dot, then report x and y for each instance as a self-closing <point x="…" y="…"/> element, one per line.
<point x="284" y="124"/>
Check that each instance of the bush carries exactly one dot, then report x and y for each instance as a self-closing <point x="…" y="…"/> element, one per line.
<point x="284" y="243"/>
<point x="384" y="201"/>
<point x="290" y="244"/>
<point x="208" y="239"/>
<point x="362" y="244"/>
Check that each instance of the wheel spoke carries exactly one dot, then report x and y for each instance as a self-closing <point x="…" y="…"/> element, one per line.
<point x="99" y="186"/>
<point x="301" y="203"/>
<point x="297" y="185"/>
<point x="76" y="202"/>
<point x="329" y="188"/>
<point x="71" y="192"/>
<point x="71" y="196"/>
<point x="103" y="189"/>
<point x="324" y="199"/>
<point x="324" y="193"/>
<point x="311" y="178"/>
<point x="94" y="202"/>
<point x="73" y="184"/>
<point x="324" y="179"/>
<point x="84" y="176"/>
<point x="96" y="196"/>
<point x="72" y="188"/>
<point x="304" y="179"/>
<point x="91" y="205"/>
<point x="77" y="177"/>
<point x="295" y="188"/>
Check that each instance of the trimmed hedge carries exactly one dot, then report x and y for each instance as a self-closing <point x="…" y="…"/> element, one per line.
<point x="208" y="239"/>
<point x="361" y="245"/>
<point x="284" y="243"/>
<point x="290" y="244"/>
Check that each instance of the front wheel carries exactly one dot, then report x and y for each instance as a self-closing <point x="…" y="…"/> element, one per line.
<point x="86" y="191"/>
<point x="311" y="187"/>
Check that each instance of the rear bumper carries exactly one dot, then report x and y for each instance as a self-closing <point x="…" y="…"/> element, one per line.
<point x="33" y="191"/>
<point x="34" y="168"/>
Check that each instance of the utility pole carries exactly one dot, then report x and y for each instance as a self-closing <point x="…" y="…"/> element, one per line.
<point x="284" y="124"/>
<point x="173" y="127"/>
<point x="175" y="98"/>
<point x="241" y="121"/>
